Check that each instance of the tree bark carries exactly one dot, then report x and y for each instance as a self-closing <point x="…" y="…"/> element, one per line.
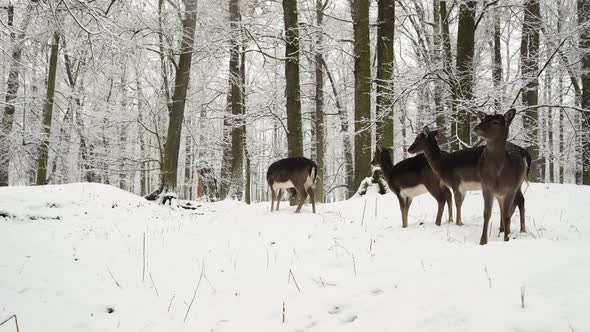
<point x="384" y="107"/>
<point x="362" y="91"/>
<point x="463" y="87"/>
<point x="437" y="41"/>
<point x="172" y="145"/>
<point x="12" y="86"/>
<point x="43" y="155"/>
<point x="319" y="104"/>
<point x="236" y="185"/>
<point x="584" y="45"/>
<point x="294" y="135"/>
<point x="447" y="62"/>
<point x="529" y="53"/>
<point x="497" y="68"/>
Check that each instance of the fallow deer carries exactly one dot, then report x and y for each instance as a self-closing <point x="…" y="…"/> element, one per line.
<point x="298" y="173"/>
<point x="409" y="178"/>
<point x="460" y="171"/>
<point x="502" y="169"/>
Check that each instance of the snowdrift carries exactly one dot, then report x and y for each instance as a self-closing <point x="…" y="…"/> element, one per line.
<point x="89" y="257"/>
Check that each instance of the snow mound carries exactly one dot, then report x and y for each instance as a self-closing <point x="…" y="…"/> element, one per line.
<point x="56" y="202"/>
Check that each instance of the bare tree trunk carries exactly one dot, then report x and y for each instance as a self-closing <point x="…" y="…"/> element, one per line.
<point x="497" y="69"/>
<point x="12" y="85"/>
<point x="438" y="86"/>
<point x="463" y="87"/>
<point x="362" y="91"/>
<point x="584" y="45"/>
<point x="319" y="104"/>
<point x="529" y="52"/>
<point x="143" y="155"/>
<point x="384" y="107"/>
<point x="43" y="155"/>
<point x="237" y="132"/>
<point x="447" y="63"/>
<point x="294" y="135"/>
<point x="123" y="177"/>
<point x="172" y="146"/>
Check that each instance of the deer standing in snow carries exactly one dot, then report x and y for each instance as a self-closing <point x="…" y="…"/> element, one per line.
<point x="296" y="174"/>
<point x="460" y="169"/>
<point x="409" y="178"/>
<point x="502" y="170"/>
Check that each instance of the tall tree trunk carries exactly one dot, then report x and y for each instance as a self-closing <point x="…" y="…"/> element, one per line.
<point x="226" y="152"/>
<point x="362" y="91"/>
<point x="12" y="85"/>
<point x="384" y="107"/>
<point x="463" y="87"/>
<point x="584" y="45"/>
<point x="172" y="145"/>
<point x="438" y="86"/>
<point x="248" y="170"/>
<point x="497" y="69"/>
<point x="319" y="104"/>
<point x="237" y="131"/>
<point x="123" y="175"/>
<point x="447" y="62"/>
<point x="43" y="155"/>
<point x="294" y="135"/>
<point x="143" y="154"/>
<point x="529" y="53"/>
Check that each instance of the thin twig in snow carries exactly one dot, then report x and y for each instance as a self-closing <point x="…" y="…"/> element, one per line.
<point x="485" y="268"/>
<point x="292" y="275"/>
<point x="195" y="293"/>
<point x="154" y="284"/>
<point x="350" y="254"/>
<point x="171" y="299"/>
<point x="115" y="280"/>
<point x="15" y="322"/>
<point x="143" y="273"/>
<point x="364" y="208"/>
<point x="522" y="289"/>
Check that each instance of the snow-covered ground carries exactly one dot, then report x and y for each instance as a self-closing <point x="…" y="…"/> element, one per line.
<point x="70" y="254"/>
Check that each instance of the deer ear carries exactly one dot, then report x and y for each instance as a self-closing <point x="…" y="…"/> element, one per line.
<point x="481" y="115"/>
<point x="426" y="130"/>
<point x="509" y="116"/>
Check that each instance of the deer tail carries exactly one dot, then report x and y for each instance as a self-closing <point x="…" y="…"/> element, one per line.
<point x="313" y="172"/>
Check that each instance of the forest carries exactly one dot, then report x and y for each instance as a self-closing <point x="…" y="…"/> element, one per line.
<point x="200" y="97"/>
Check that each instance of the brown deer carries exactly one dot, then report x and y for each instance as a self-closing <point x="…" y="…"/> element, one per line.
<point x="296" y="174"/>
<point x="410" y="178"/>
<point x="502" y="169"/>
<point x="460" y="170"/>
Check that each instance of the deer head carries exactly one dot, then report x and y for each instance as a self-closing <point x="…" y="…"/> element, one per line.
<point x="494" y="127"/>
<point x="382" y="155"/>
<point x="423" y="140"/>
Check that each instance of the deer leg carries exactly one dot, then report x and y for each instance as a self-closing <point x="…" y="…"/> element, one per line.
<point x="519" y="201"/>
<point x="311" y="197"/>
<point x="449" y="199"/>
<point x="507" y="207"/>
<point x="408" y="203"/>
<point x="459" y="196"/>
<point x="272" y="199"/>
<point x="441" y="207"/>
<point x="302" y="195"/>
<point x="279" y="197"/>
<point x="500" y="204"/>
<point x="488" y="200"/>
<point x="402" y="207"/>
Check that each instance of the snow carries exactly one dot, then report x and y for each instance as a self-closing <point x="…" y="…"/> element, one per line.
<point x="68" y="253"/>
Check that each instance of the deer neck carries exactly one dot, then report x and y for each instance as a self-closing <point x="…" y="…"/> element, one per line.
<point x="433" y="155"/>
<point x="495" y="152"/>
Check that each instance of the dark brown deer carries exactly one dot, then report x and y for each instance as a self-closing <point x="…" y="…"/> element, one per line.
<point x="460" y="170"/>
<point x="296" y="174"/>
<point x="410" y="178"/>
<point x="502" y="169"/>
